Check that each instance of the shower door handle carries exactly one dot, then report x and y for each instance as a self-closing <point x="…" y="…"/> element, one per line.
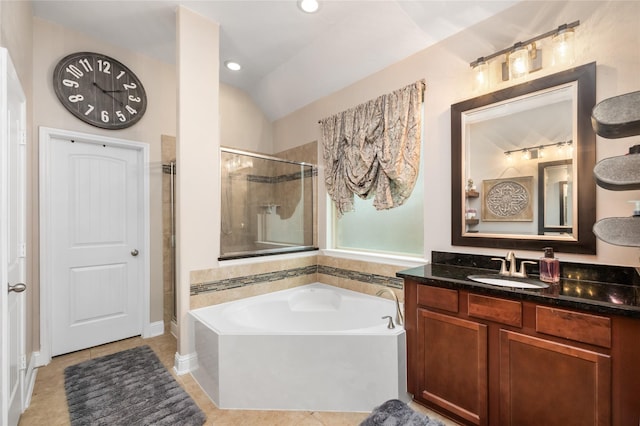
<point x="134" y="252"/>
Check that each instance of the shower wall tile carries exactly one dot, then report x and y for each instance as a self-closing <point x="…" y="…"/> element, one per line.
<point x="307" y="153"/>
<point x="168" y="154"/>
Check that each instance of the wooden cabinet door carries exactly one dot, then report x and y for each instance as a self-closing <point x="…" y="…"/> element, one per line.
<point x="452" y="358"/>
<point x="543" y="382"/>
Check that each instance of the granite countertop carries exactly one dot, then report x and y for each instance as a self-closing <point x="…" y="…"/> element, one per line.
<point x="618" y="295"/>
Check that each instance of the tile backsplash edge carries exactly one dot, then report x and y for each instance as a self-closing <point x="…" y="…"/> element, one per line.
<point x="242" y="281"/>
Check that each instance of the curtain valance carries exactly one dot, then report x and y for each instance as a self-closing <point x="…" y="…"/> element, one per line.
<point x="373" y="149"/>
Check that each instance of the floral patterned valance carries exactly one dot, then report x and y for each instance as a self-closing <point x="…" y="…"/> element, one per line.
<point x="373" y="149"/>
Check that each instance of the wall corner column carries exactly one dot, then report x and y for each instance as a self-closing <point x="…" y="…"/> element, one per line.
<point x="197" y="158"/>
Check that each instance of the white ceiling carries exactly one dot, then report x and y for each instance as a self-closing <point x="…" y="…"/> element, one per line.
<point x="289" y="58"/>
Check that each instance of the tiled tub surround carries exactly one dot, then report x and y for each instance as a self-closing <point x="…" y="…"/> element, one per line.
<point x="315" y="344"/>
<point x="595" y="288"/>
<point x="228" y="283"/>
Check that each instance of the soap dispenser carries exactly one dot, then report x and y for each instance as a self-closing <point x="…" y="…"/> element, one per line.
<point x="549" y="267"/>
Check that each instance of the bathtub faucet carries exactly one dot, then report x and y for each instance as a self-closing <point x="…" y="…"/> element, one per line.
<point x="399" y="316"/>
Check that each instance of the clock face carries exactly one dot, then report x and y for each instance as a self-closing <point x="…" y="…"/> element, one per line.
<point x="99" y="90"/>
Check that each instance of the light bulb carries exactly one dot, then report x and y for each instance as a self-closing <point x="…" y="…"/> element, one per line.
<point x="526" y="155"/>
<point x="563" y="47"/>
<point x="569" y="148"/>
<point x="518" y="62"/>
<point x="233" y="66"/>
<point x="481" y="76"/>
<point x="309" y="6"/>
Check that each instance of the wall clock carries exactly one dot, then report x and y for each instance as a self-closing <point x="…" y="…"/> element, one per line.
<point x="99" y="90"/>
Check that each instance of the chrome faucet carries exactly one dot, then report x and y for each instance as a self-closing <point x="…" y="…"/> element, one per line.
<point x="399" y="315"/>
<point x="512" y="272"/>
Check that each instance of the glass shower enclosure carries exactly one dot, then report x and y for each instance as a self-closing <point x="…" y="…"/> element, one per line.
<point x="267" y="205"/>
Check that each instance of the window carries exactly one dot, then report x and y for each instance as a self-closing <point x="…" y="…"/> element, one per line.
<point x="398" y="231"/>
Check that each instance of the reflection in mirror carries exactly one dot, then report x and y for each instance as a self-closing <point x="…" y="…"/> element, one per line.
<point x="555" y="198"/>
<point x="504" y="143"/>
<point x="522" y="160"/>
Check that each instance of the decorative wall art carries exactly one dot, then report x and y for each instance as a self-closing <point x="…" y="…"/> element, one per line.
<point x="508" y="200"/>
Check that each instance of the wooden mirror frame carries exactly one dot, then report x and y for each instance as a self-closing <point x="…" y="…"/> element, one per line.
<point x="585" y="243"/>
<point x="542" y="208"/>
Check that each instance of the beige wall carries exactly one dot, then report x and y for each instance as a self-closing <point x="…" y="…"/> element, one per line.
<point x="16" y="34"/>
<point x="51" y="42"/>
<point x="197" y="154"/>
<point x="242" y="124"/>
<point x="608" y="34"/>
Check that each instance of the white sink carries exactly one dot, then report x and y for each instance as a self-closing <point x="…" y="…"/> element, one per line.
<point x="503" y="281"/>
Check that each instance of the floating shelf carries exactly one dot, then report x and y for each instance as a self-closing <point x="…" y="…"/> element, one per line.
<point x="620" y="173"/>
<point x="617" y="117"/>
<point x="472" y="194"/>
<point x="614" y="118"/>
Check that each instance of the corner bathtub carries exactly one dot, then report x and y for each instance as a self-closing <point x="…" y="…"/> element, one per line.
<point x="313" y="348"/>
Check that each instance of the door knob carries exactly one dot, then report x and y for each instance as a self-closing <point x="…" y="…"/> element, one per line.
<point x="18" y="287"/>
<point x="134" y="252"/>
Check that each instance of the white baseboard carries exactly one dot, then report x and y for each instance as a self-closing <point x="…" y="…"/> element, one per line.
<point x="40" y="359"/>
<point x="30" y="378"/>
<point x="153" y="329"/>
<point x="185" y="363"/>
<point x="174" y="328"/>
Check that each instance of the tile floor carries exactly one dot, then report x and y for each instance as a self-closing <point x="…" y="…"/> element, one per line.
<point x="49" y="405"/>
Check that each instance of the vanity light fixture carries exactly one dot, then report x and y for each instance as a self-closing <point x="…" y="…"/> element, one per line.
<point x="309" y="6"/>
<point x="537" y="151"/>
<point x="524" y="57"/>
<point x="232" y="65"/>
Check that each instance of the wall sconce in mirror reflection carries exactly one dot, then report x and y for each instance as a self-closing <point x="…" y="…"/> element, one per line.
<point x="525" y="57"/>
<point x="562" y="149"/>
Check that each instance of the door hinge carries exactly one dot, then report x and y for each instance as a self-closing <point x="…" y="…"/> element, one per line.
<point x="22" y="250"/>
<point x="23" y="137"/>
<point x="23" y="362"/>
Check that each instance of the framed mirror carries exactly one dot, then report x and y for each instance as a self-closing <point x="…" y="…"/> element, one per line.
<point x="555" y="197"/>
<point x="522" y="165"/>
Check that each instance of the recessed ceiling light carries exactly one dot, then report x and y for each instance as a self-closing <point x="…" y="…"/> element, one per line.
<point x="233" y="66"/>
<point x="309" y="6"/>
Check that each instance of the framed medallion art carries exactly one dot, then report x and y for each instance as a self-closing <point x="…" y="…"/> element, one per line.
<point x="508" y="200"/>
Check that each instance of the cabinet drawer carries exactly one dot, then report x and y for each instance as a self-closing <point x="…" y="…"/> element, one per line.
<point x="439" y="298"/>
<point x="585" y="328"/>
<point x="507" y="312"/>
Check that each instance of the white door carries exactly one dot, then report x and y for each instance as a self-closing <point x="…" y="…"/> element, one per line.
<point x="12" y="247"/>
<point x="96" y="243"/>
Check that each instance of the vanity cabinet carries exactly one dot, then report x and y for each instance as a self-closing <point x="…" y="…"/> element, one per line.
<point x="564" y="384"/>
<point x="490" y="360"/>
<point x="452" y="364"/>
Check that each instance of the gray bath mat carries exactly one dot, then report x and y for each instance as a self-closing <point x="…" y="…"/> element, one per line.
<point x="396" y="413"/>
<point x="127" y="388"/>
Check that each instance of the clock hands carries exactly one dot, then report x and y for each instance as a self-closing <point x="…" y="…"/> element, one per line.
<point x="108" y="93"/>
